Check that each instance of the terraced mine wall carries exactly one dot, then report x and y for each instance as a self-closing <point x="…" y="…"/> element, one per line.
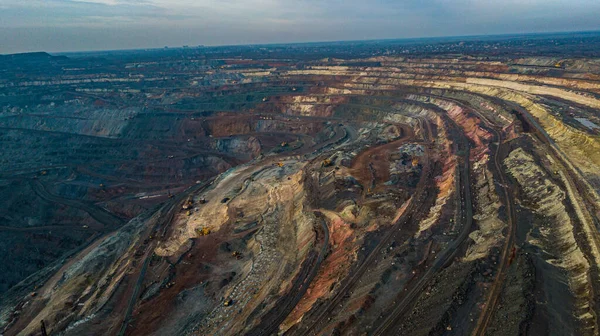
<point x="301" y="194"/>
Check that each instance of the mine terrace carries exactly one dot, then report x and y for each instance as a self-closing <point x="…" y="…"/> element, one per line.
<point x="415" y="187"/>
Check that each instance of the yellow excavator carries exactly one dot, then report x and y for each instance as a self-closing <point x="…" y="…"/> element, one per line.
<point x="203" y="231"/>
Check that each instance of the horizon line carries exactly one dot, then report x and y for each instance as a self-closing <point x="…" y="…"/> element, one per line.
<point x="325" y="42"/>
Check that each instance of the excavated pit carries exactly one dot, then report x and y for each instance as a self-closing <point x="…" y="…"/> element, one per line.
<point x="300" y="194"/>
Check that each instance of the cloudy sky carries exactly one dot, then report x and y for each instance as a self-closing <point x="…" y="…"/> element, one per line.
<point x="73" y="25"/>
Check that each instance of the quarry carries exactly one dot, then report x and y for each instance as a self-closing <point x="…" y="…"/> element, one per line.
<point x="441" y="189"/>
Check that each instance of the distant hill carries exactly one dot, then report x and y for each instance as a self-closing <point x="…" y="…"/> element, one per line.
<point x="30" y="59"/>
<point x="39" y="55"/>
<point x="27" y="55"/>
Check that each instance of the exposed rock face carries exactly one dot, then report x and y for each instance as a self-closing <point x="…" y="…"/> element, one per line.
<point x="276" y="248"/>
<point x="334" y="268"/>
<point x="489" y="234"/>
<point x="106" y="262"/>
<point x="446" y="182"/>
<point x="105" y="123"/>
<point x="558" y="248"/>
<point x="311" y="106"/>
<point x="301" y="193"/>
<point x="250" y="146"/>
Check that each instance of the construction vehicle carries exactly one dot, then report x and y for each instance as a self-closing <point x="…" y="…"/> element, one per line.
<point x="326" y="163"/>
<point x="188" y="213"/>
<point x="188" y="204"/>
<point x="280" y="164"/>
<point x="415" y="162"/>
<point x="237" y="255"/>
<point x="228" y="302"/>
<point x="203" y="231"/>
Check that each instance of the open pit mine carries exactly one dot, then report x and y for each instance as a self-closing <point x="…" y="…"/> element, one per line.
<point x="303" y="190"/>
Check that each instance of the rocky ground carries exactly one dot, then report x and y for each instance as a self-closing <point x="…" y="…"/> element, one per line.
<point x="411" y="195"/>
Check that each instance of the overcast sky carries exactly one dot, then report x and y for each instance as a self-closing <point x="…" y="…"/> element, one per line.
<point x="76" y="25"/>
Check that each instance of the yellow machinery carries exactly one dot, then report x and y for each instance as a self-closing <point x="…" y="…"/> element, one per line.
<point x="203" y="231"/>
